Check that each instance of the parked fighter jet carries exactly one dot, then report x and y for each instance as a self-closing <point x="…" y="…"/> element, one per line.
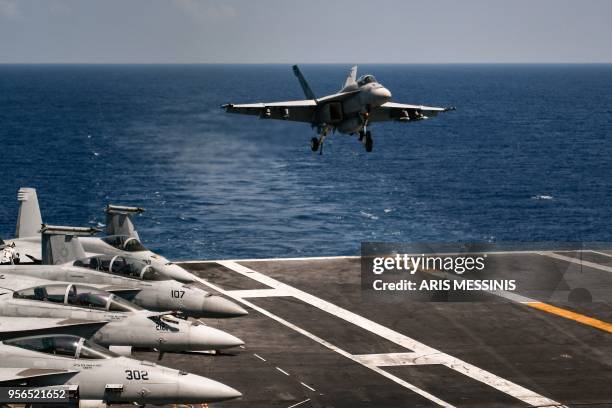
<point x="129" y="325"/>
<point x="64" y="259"/>
<point x="101" y="375"/>
<point x="351" y="110"/>
<point x="27" y="239"/>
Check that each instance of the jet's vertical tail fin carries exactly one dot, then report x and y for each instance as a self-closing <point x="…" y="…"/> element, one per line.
<point x="351" y="79"/>
<point x="61" y="244"/>
<point x="29" y="219"/>
<point x="119" y="220"/>
<point x="305" y="87"/>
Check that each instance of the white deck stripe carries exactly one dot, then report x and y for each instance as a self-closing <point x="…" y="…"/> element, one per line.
<point x="322" y="258"/>
<point x="282" y="371"/>
<point x="390" y="359"/>
<point x="330" y="346"/>
<point x="299" y="403"/>
<point x="460" y="366"/>
<point x="259" y="357"/>
<point x="308" y="386"/>
<point x="578" y="261"/>
<point x="600" y="253"/>
<point x="305" y="258"/>
<point x="250" y="293"/>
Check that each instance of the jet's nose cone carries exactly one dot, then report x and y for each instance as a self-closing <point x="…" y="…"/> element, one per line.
<point x="194" y="388"/>
<point x="384" y="93"/>
<point x="216" y="306"/>
<point x="175" y="272"/>
<point x="209" y="338"/>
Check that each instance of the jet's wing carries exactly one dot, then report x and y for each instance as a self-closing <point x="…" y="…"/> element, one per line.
<point x="34" y="376"/>
<point x="12" y="327"/>
<point x="404" y="112"/>
<point x="298" y="111"/>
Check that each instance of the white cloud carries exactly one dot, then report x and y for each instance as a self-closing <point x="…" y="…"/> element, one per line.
<point x="9" y="9"/>
<point x="206" y="10"/>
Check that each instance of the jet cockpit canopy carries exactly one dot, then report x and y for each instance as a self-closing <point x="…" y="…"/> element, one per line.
<point x="78" y="296"/>
<point x="366" y="79"/>
<point x="124" y="243"/>
<point x="62" y="345"/>
<point x="121" y="265"/>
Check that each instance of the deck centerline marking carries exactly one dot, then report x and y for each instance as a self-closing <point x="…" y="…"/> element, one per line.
<point x="501" y="384"/>
<point x="259" y="357"/>
<point x="299" y="403"/>
<point x="330" y="346"/>
<point x="536" y="304"/>
<point x="568" y="314"/>
<point x="282" y="371"/>
<point x="307" y="386"/>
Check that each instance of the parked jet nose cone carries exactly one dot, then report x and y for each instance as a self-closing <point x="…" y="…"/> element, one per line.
<point x="175" y="272"/>
<point x="195" y="389"/>
<point x="209" y="338"/>
<point x="216" y="306"/>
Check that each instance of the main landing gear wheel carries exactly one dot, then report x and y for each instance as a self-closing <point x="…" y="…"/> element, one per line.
<point x="314" y="144"/>
<point x="369" y="143"/>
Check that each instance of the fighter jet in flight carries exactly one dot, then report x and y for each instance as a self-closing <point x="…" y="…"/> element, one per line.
<point x="351" y="110"/>
<point x="100" y="376"/>
<point x="27" y="240"/>
<point x="129" y="325"/>
<point x="64" y="259"/>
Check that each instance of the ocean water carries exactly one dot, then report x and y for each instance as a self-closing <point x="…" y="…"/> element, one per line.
<point x="527" y="156"/>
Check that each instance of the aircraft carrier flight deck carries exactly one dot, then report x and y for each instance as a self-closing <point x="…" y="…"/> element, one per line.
<point x="313" y="340"/>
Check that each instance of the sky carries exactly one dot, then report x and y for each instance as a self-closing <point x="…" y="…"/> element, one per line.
<point x="307" y="31"/>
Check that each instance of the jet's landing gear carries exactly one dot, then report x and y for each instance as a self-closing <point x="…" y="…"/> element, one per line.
<point x="369" y="142"/>
<point x="366" y="138"/>
<point x="364" y="134"/>
<point x="316" y="143"/>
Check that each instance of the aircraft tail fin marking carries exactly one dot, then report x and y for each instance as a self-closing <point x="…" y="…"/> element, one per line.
<point x="351" y="79"/>
<point x="119" y="220"/>
<point x="29" y="219"/>
<point x="305" y="87"/>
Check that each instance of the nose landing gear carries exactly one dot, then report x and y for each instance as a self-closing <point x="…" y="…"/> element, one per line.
<point x="366" y="138"/>
<point x="364" y="135"/>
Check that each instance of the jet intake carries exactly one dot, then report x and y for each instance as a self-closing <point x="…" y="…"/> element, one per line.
<point x="330" y="113"/>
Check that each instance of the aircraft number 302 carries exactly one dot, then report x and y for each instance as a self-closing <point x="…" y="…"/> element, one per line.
<point x="136" y="375"/>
